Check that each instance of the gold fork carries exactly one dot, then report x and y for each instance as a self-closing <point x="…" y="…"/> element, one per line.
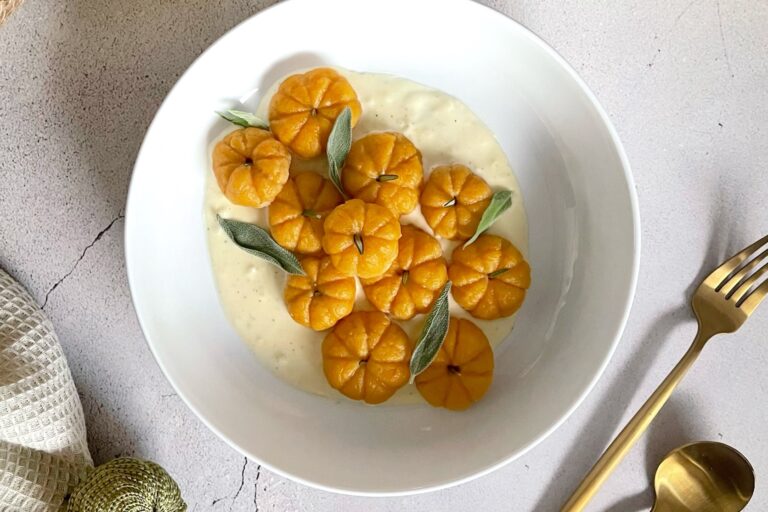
<point x="722" y="302"/>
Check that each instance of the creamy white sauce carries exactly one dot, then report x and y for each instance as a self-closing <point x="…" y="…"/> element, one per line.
<point x="251" y="290"/>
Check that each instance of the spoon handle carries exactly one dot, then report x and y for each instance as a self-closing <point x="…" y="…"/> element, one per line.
<point x="634" y="429"/>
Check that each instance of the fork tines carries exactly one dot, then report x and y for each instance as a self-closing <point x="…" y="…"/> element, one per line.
<point x="742" y="279"/>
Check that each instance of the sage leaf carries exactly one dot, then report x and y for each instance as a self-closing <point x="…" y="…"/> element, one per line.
<point x="339" y="142"/>
<point x="255" y="240"/>
<point x="245" y="119"/>
<point x="500" y="202"/>
<point x="358" y="239"/>
<point x="497" y="273"/>
<point x="432" y="334"/>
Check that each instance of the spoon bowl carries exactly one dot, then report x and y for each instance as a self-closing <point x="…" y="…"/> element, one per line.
<point x="703" y="477"/>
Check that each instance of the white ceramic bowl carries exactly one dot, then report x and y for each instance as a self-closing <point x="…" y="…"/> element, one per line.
<point x="584" y="244"/>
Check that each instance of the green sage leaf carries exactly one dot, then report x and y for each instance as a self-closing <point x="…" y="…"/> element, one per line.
<point x="245" y="119"/>
<point x="358" y="239"/>
<point x="387" y="177"/>
<point x="432" y="334"/>
<point x="255" y="240"/>
<point x="339" y="142"/>
<point x="497" y="273"/>
<point x="500" y="202"/>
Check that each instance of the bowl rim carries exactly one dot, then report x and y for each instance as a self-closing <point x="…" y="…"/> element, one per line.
<point x="618" y="331"/>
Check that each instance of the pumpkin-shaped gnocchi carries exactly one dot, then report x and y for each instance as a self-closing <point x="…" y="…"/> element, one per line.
<point x="361" y="238"/>
<point x="490" y="277"/>
<point x="462" y="371"/>
<point x="453" y="201"/>
<point x="251" y="166"/>
<point x="320" y="298"/>
<point x="297" y="213"/>
<point x="305" y="106"/>
<point x="413" y="281"/>
<point x="366" y="357"/>
<point x="384" y="168"/>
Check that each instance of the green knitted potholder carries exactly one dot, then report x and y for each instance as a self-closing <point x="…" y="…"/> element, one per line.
<point x="127" y="485"/>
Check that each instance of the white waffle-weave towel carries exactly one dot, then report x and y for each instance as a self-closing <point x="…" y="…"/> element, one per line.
<point x="43" y="450"/>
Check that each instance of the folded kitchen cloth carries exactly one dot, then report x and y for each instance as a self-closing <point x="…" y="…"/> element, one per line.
<point x="44" y="460"/>
<point x="43" y="448"/>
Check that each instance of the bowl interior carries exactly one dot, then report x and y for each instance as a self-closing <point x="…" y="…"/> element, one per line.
<point x="583" y="243"/>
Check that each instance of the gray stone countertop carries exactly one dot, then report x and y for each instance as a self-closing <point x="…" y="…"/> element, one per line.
<point x="684" y="81"/>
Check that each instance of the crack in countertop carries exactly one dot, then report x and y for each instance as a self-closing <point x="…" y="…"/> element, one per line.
<point x="82" y="255"/>
<point x="242" y="482"/>
<point x="240" y="487"/>
<point x="256" y="489"/>
<point x="722" y="40"/>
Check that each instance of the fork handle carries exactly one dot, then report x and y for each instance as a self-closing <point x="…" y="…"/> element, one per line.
<point x="634" y="429"/>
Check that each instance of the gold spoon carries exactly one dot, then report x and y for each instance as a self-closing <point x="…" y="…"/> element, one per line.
<point x="703" y="477"/>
